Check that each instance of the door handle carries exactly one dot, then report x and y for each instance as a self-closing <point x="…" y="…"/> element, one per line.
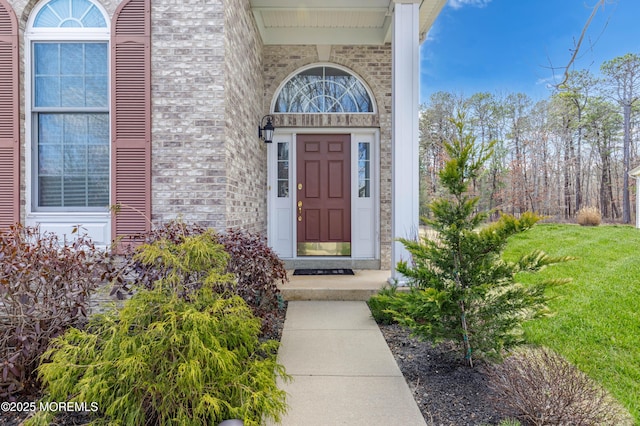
<point x="299" y="207"/>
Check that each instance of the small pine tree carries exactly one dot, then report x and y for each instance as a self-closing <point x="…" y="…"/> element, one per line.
<point x="462" y="289"/>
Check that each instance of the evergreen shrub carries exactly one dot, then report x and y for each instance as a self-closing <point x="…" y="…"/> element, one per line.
<point x="461" y="288"/>
<point x="185" y="352"/>
<point x="383" y="303"/>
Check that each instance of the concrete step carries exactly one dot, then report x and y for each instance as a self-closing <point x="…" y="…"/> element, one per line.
<point x="360" y="286"/>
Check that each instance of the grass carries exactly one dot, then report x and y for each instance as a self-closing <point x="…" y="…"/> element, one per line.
<point x="596" y="318"/>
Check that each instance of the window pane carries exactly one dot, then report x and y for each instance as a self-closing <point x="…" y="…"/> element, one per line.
<point x="283" y="170"/>
<point x="96" y="59"/>
<point x="98" y="160"/>
<point x="74" y="172"/>
<point x="283" y="151"/>
<point x="98" y="191"/>
<point x="94" y="19"/>
<point x="283" y="189"/>
<point x="60" y="7"/>
<point x="79" y="81"/>
<point x="364" y="190"/>
<point x="73" y="58"/>
<point x="75" y="160"/>
<point x="46" y="19"/>
<point x="98" y="129"/>
<point x="363" y="151"/>
<point x="50" y="129"/>
<point x="364" y="169"/>
<point x="79" y="8"/>
<point x="75" y="191"/>
<point x="75" y="129"/>
<point x="96" y="91"/>
<point x="50" y="160"/>
<point x="47" y="92"/>
<point x="72" y="91"/>
<point x="50" y="191"/>
<point x="323" y="89"/>
<point x="47" y="58"/>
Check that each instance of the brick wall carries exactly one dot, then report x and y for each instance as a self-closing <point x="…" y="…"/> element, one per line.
<point x="373" y="65"/>
<point x="246" y="155"/>
<point x="188" y="112"/>
<point x="212" y="82"/>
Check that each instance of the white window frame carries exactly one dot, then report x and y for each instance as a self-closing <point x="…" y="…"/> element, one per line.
<point x="97" y="224"/>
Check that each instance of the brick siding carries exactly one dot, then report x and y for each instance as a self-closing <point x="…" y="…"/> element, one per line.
<point x="373" y="65"/>
<point x="212" y="81"/>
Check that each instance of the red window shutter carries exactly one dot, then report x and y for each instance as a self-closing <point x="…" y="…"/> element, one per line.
<point x="131" y="119"/>
<point x="9" y="118"/>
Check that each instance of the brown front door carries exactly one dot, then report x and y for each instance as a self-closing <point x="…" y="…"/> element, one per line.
<point x="323" y="189"/>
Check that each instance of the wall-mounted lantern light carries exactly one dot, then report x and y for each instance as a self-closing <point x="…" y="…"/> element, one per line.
<point x="268" y="129"/>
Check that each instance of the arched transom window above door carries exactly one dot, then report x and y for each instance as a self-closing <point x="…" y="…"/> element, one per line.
<point x="323" y="89"/>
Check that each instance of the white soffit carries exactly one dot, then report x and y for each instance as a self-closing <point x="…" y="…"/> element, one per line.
<point x="333" y="21"/>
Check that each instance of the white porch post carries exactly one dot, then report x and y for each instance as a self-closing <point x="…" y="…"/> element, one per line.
<point x="404" y="152"/>
<point x="637" y="201"/>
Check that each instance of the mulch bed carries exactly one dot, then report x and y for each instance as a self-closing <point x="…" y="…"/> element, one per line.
<point x="447" y="392"/>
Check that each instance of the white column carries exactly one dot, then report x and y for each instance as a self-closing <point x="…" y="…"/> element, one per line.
<point x="404" y="139"/>
<point x="637" y="201"/>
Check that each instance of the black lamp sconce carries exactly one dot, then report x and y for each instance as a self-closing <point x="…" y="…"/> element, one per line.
<point x="266" y="132"/>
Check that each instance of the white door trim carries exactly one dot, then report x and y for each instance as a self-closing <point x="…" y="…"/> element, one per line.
<point x="281" y="217"/>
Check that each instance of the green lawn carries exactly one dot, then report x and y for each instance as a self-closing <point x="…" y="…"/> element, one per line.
<point x="596" y="317"/>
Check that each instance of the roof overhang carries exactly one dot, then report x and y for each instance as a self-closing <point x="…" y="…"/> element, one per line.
<point x="323" y="22"/>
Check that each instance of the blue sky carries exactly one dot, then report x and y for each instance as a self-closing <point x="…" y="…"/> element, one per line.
<point x="504" y="46"/>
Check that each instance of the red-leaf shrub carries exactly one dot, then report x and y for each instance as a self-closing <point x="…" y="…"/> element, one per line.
<point x="44" y="289"/>
<point x="258" y="271"/>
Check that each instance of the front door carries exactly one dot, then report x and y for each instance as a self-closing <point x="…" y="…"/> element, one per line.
<point x="323" y="195"/>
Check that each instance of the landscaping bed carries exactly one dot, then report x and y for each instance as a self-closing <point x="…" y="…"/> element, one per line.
<point x="447" y="391"/>
<point x="199" y="323"/>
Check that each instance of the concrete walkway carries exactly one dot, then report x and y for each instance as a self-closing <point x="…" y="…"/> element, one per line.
<point x="343" y="372"/>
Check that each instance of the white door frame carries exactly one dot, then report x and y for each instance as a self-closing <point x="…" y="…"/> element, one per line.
<point x="365" y="212"/>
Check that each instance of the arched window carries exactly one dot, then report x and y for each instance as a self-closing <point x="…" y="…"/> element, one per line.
<point x="68" y="106"/>
<point x="69" y="14"/>
<point x="324" y="89"/>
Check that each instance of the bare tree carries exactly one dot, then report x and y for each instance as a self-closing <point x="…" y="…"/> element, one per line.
<point x="623" y="75"/>
<point x="576" y="90"/>
<point x="602" y="123"/>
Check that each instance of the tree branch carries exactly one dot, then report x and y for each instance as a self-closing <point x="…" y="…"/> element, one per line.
<point x="574" y="56"/>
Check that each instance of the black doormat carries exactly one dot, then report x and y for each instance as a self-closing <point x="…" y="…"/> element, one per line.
<point x="323" y="272"/>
